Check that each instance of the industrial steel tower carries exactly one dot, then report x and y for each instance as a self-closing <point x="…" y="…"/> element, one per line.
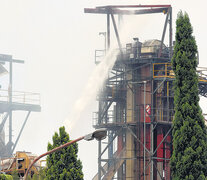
<point x="136" y="103"/>
<point x="11" y="101"/>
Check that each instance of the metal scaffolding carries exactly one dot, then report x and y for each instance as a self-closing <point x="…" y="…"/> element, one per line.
<point x="136" y="103"/>
<point x="11" y="101"/>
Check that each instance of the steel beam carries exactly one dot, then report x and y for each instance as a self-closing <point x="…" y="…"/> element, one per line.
<point x="10" y="102"/>
<point x="160" y="85"/>
<point x="162" y="141"/>
<point x="110" y="148"/>
<point x="25" y="121"/>
<point x="115" y="135"/>
<point x="12" y="60"/>
<point x="99" y="160"/>
<point x="152" y="127"/>
<point x="147" y="9"/>
<point x="136" y="6"/>
<point x="163" y="34"/>
<point x="170" y="32"/>
<point x="3" y="122"/>
<point x="137" y="139"/>
<point x="158" y="171"/>
<point x="108" y="106"/>
<point x="108" y="31"/>
<point x="124" y="12"/>
<point x="117" y="33"/>
<point x="144" y="126"/>
<point x="168" y="101"/>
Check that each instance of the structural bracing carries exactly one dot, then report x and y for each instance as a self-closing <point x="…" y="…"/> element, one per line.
<point x="11" y="101"/>
<point x="136" y="103"/>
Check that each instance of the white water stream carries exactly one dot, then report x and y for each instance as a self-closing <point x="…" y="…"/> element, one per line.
<point x="95" y="82"/>
<point x="99" y="75"/>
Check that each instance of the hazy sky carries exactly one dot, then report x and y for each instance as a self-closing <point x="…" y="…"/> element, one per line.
<point x="57" y="41"/>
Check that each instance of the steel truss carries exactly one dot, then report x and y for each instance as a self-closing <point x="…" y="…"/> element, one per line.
<point x="11" y="101"/>
<point x="136" y="106"/>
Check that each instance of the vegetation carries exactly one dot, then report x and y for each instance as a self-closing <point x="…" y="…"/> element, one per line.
<point x="5" y="177"/>
<point x="63" y="164"/>
<point x="189" y="158"/>
<point x="42" y="174"/>
<point x="15" y="175"/>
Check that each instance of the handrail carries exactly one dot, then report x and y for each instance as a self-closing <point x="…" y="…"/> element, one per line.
<point x="161" y="70"/>
<point x="20" y="97"/>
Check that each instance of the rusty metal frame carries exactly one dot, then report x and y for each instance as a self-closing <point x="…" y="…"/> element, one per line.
<point x="130" y="10"/>
<point x="142" y="9"/>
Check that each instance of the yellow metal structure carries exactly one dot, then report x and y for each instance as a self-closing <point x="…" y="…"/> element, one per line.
<point x="161" y="70"/>
<point x="20" y="163"/>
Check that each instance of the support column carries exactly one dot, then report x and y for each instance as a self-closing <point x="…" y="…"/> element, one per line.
<point x="170" y="32"/>
<point x="100" y="121"/>
<point x="10" y="110"/>
<point x="130" y="152"/>
<point x="152" y="131"/>
<point x="144" y="128"/>
<point x="108" y="31"/>
<point x="99" y="160"/>
<point x="110" y="149"/>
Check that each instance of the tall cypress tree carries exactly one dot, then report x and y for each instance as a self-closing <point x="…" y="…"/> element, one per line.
<point x="63" y="164"/>
<point x="189" y="158"/>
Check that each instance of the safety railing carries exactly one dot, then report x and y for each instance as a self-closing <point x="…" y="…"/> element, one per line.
<point x="20" y="97"/>
<point x="160" y="116"/>
<point x="132" y="51"/>
<point x="163" y="115"/>
<point x="161" y="70"/>
<point x="105" y="120"/>
<point x="153" y="114"/>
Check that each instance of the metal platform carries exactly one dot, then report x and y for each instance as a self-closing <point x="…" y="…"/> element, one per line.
<point x="5" y="107"/>
<point x="11" y="101"/>
<point x="19" y="101"/>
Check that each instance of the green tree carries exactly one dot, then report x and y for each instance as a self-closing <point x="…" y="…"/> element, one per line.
<point x="5" y="177"/>
<point x="42" y="174"/>
<point x="15" y="175"/>
<point x="35" y="177"/>
<point x="63" y="164"/>
<point x="189" y="157"/>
